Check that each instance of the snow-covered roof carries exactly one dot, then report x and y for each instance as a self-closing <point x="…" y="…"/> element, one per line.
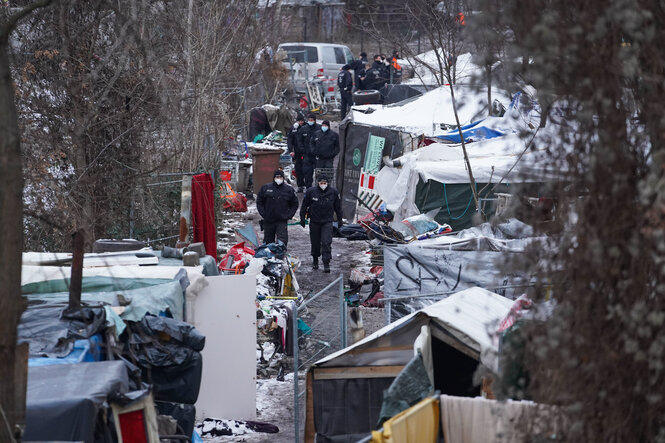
<point x="470" y="316"/>
<point x="432" y="113"/>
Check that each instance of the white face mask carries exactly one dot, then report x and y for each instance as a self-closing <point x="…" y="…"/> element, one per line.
<point x="279" y="181"/>
<point x="323" y="186"/>
<point x="310" y="122"/>
<point x="295" y="125"/>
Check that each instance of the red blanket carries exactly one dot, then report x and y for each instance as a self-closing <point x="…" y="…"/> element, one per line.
<point x="203" y="213"/>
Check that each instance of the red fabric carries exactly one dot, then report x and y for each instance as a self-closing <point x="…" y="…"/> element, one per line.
<point x="237" y="258"/>
<point x="235" y="204"/>
<point x="203" y="213"/>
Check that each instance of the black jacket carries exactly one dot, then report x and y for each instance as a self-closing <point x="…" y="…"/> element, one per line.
<point x="321" y="205"/>
<point x="325" y="145"/>
<point x="345" y="81"/>
<point x="376" y="77"/>
<point x="304" y="137"/>
<point x="276" y="203"/>
<point x="292" y="140"/>
<point x="358" y="67"/>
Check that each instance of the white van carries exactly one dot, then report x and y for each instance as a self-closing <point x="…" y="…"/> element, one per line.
<point x="308" y="60"/>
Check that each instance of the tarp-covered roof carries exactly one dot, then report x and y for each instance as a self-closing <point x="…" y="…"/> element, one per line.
<point x="469" y="316"/>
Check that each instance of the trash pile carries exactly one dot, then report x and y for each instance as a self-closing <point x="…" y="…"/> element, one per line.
<point x="277" y="295"/>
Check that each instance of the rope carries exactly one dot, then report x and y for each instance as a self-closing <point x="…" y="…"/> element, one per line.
<point x="445" y="195"/>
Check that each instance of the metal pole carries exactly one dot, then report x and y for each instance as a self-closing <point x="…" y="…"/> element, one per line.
<point x="296" y="410"/>
<point x="342" y="311"/>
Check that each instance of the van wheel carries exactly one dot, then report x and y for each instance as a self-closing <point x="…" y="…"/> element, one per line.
<point x="369" y="97"/>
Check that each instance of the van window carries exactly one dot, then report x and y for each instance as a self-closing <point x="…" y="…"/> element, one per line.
<point x="349" y="56"/>
<point x="297" y="54"/>
<point x="339" y="56"/>
<point x="328" y="55"/>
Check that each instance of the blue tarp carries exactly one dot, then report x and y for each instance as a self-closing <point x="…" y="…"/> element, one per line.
<point x="472" y="132"/>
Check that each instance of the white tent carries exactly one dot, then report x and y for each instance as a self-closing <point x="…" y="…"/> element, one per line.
<point x="491" y="160"/>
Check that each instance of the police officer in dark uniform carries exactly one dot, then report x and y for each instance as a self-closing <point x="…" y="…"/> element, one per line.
<point x="325" y="145"/>
<point x="319" y="205"/>
<point x="277" y="203"/>
<point x="376" y="78"/>
<point x="304" y="140"/>
<point x="345" y="85"/>
<point x="296" y="153"/>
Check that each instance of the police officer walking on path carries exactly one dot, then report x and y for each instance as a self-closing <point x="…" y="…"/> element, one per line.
<point x="319" y="204"/>
<point x="304" y="139"/>
<point x="345" y="84"/>
<point x="296" y="153"/>
<point x="325" y="145"/>
<point x="277" y="203"/>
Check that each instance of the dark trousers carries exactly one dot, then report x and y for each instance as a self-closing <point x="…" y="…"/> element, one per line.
<point x="309" y="163"/>
<point x="347" y="101"/>
<point x="300" y="172"/>
<point x="272" y="229"/>
<point x="320" y="235"/>
<point x="325" y="163"/>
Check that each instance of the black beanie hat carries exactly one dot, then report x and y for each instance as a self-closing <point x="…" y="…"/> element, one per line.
<point x="322" y="178"/>
<point x="310" y="115"/>
<point x="278" y="173"/>
<point x="325" y="122"/>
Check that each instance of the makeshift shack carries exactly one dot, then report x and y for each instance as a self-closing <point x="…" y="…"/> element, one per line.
<point x="345" y="389"/>
<point x="374" y="131"/>
<point x="436" y="177"/>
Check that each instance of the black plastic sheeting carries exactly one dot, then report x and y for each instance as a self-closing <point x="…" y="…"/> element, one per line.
<point x="51" y="328"/>
<point x="168" y="353"/>
<point x="397" y="93"/>
<point x="66" y="402"/>
<point x="353" y="143"/>
<point x="347" y="410"/>
<point x="408" y="388"/>
<point x="184" y="414"/>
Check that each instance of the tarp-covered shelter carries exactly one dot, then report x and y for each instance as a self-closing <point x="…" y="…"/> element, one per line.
<point x="435" y="177"/>
<point x="345" y="389"/>
<point x="403" y="126"/>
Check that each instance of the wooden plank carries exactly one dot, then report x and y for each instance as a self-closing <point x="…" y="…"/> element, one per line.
<point x="357" y="372"/>
<point x="309" y="409"/>
<point x="381" y="349"/>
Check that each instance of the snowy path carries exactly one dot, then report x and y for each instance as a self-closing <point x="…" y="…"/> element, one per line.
<point x="275" y="399"/>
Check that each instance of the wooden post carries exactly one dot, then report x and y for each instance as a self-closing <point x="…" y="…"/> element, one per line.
<point x="78" y="240"/>
<point x="185" y="211"/>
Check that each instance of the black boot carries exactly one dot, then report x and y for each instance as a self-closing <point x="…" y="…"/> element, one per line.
<point x="315" y="263"/>
<point x="326" y="267"/>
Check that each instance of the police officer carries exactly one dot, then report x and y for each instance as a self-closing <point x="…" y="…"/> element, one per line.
<point x="325" y="145"/>
<point x="375" y="78"/>
<point x="319" y="205"/>
<point x="395" y="69"/>
<point x="345" y="85"/>
<point x="277" y="203"/>
<point x="304" y="140"/>
<point x="296" y="153"/>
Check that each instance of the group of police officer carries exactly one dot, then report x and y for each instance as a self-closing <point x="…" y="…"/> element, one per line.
<point x="277" y="203"/>
<point x="376" y="76"/>
<point x="311" y="146"/>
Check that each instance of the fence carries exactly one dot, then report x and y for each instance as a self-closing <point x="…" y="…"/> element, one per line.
<point x="325" y="346"/>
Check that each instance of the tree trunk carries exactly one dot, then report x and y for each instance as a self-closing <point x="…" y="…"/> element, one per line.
<point x="12" y="303"/>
